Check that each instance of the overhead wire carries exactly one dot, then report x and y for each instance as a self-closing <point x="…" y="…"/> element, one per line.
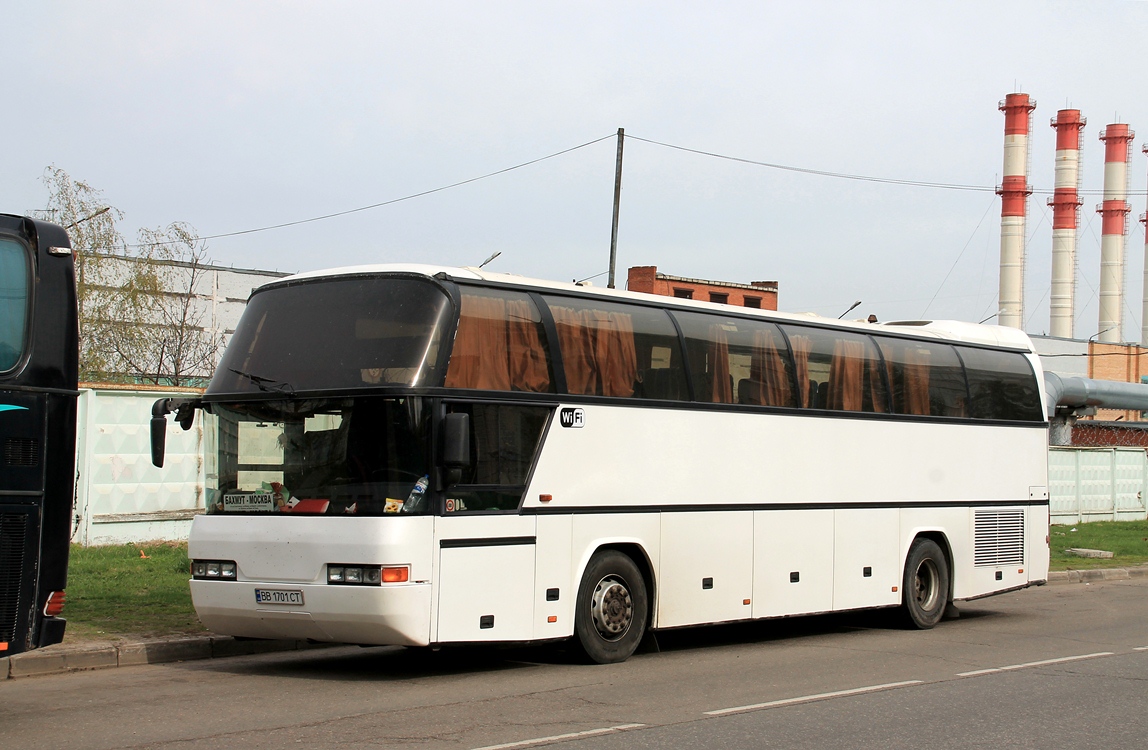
<point x="380" y="204"/>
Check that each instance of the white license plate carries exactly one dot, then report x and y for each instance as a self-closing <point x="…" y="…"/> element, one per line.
<point x="278" y="596"/>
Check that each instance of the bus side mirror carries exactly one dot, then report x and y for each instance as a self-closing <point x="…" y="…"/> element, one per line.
<point x="455" y="445"/>
<point x="159" y="412"/>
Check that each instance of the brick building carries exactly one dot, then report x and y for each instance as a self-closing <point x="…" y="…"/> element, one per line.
<point x="1127" y="363"/>
<point x="757" y="294"/>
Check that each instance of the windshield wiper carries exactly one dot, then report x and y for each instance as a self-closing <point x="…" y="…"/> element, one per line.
<point x="267" y="385"/>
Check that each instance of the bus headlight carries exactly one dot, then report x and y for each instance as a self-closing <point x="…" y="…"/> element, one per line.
<point x="213" y="570"/>
<point x="342" y="574"/>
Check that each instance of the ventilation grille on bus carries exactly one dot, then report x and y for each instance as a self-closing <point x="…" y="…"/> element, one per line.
<point x="13" y="530"/>
<point x="998" y="537"/>
<point x="21" y="452"/>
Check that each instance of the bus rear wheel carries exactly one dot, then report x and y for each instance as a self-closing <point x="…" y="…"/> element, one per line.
<point x="926" y="584"/>
<point x="612" y="608"/>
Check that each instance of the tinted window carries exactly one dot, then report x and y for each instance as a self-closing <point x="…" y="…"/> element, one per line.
<point x="836" y="370"/>
<point x="503" y="442"/>
<point x="13" y="301"/>
<point x="500" y="344"/>
<point x="737" y="361"/>
<point x="1002" y="385"/>
<point x="925" y="378"/>
<point x="618" y="350"/>
<point x="336" y="333"/>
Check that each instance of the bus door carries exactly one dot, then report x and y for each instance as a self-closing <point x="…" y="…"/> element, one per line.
<point x="486" y="549"/>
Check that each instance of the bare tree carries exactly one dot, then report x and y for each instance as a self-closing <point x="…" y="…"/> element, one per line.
<point x="141" y="319"/>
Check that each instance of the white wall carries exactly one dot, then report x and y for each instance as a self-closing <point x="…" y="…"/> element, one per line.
<point x="120" y="496"/>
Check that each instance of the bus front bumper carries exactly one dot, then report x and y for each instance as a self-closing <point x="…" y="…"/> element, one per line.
<point x="387" y="615"/>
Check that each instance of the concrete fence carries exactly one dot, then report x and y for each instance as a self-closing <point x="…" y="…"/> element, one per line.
<point x="1097" y="484"/>
<point x="120" y="496"/>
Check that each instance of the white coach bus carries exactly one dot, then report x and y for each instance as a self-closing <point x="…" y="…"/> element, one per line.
<point x="427" y="456"/>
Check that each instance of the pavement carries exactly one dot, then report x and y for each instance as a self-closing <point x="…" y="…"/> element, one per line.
<point x="78" y="657"/>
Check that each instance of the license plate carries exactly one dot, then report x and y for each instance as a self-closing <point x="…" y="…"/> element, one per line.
<point x="278" y="596"/>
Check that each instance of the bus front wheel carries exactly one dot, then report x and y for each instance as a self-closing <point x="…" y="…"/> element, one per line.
<point x="612" y="608"/>
<point x="926" y="584"/>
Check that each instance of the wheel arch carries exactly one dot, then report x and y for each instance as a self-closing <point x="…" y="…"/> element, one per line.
<point x="636" y="551"/>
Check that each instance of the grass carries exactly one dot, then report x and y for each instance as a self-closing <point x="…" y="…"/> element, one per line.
<point x="1127" y="540"/>
<point x="129" y="592"/>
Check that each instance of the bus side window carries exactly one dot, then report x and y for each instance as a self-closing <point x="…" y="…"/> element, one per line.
<point x="1002" y="385"/>
<point x="504" y="441"/>
<point x="837" y="370"/>
<point x="13" y="302"/>
<point x="618" y="350"/>
<point x="500" y="344"/>
<point x="734" y="360"/>
<point x="926" y="378"/>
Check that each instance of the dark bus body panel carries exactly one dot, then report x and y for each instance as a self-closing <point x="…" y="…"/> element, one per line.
<point x="38" y="396"/>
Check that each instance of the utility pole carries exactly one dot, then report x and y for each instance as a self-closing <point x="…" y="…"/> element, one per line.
<point x="617" y="200"/>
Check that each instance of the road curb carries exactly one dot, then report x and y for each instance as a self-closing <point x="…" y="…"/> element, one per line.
<point x="1097" y="574"/>
<point x="63" y="658"/>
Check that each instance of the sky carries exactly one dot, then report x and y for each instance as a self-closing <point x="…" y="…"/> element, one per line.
<point x="236" y="116"/>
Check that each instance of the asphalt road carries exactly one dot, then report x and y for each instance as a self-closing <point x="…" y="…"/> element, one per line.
<point x="1058" y="666"/>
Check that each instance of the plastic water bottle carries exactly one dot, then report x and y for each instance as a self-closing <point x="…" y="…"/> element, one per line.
<point x="414" y="501"/>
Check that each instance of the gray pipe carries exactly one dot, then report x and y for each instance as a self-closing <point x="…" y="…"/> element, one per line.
<point x="1076" y="392"/>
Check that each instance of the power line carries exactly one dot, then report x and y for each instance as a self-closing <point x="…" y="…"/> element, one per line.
<point x="383" y="203"/>
<point x="858" y="177"/>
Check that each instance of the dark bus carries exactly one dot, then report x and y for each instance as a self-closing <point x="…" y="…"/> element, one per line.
<point x="38" y="394"/>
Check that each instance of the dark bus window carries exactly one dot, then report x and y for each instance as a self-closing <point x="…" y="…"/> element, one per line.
<point x="925" y="378"/>
<point x="500" y="344"/>
<point x="13" y="302"/>
<point x="836" y="370"/>
<point x="1002" y="385"/>
<point x="504" y="440"/>
<point x="618" y="350"/>
<point x="737" y="361"/>
<point x="337" y="333"/>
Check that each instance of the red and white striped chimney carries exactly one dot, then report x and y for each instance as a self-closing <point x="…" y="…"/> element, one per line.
<point x="1144" y="309"/>
<point x="1014" y="192"/>
<point x="1065" y="201"/>
<point x="1114" y="210"/>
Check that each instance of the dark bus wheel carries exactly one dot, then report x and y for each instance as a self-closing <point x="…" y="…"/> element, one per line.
<point x="611" y="612"/>
<point x="926" y="584"/>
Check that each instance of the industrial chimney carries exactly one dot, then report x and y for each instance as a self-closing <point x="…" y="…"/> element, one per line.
<point x="1117" y="140"/>
<point x="1014" y="191"/>
<point x="1065" y="201"/>
<point x="1144" y="310"/>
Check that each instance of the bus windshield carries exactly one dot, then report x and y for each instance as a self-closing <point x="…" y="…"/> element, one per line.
<point x="363" y="456"/>
<point x="335" y="334"/>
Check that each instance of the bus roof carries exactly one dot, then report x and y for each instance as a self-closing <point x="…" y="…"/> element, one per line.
<point x="950" y="330"/>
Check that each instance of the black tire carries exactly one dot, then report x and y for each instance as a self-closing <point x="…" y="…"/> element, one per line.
<point x="612" y="609"/>
<point x="925" y="589"/>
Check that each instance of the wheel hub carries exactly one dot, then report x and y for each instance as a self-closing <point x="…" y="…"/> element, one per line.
<point x="612" y="608"/>
<point x="925" y="585"/>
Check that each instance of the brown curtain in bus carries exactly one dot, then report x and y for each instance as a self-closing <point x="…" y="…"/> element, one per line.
<point x="616" y="357"/>
<point x="915" y="374"/>
<point x="527" y="355"/>
<point x="598" y="352"/>
<point x="846" y="373"/>
<point x="801" y="345"/>
<point x="769" y="382"/>
<point x="480" y="358"/>
<point x="575" y="339"/>
<point x="721" y="388"/>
